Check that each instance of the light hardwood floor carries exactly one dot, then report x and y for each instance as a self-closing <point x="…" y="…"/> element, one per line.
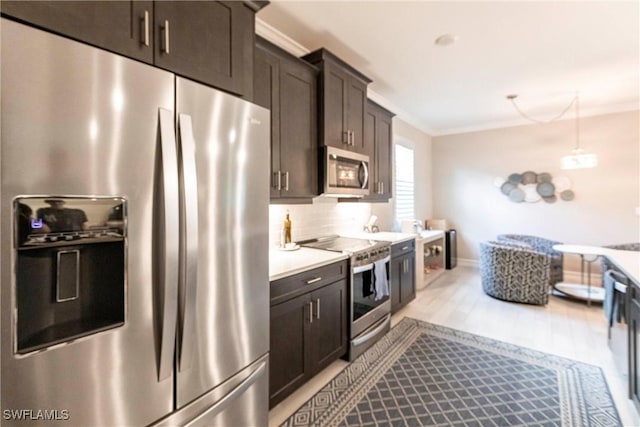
<point x="563" y="327"/>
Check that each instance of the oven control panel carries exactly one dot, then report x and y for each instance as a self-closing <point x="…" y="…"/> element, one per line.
<point x="370" y="256"/>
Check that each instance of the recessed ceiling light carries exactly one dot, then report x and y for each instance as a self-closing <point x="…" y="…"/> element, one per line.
<point x="446" y="40"/>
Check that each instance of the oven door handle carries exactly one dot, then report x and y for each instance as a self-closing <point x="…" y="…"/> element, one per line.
<point x="366" y="337"/>
<point x="369" y="266"/>
<point x="362" y="268"/>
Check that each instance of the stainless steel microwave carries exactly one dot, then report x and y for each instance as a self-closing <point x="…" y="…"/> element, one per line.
<point x="346" y="174"/>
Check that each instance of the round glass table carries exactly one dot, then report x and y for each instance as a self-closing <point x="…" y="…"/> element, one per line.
<point x="583" y="291"/>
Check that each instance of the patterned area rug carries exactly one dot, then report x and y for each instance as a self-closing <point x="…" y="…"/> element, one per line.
<point x="422" y="374"/>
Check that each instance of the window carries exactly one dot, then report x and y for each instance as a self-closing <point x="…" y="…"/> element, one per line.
<point x="404" y="183"/>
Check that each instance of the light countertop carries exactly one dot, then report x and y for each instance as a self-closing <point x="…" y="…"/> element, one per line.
<point x="627" y="261"/>
<point x="287" y="263"/>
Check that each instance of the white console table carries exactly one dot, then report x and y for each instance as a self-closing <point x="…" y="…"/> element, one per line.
<point x="430" y="257"/>
<point x="583" y="291"/>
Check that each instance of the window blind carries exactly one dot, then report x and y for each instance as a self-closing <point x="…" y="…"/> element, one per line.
<point x="404" y="191"/>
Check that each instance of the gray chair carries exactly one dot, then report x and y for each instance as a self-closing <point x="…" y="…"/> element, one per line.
<point x="513" y="272"/>
<point x="540" y="244"/>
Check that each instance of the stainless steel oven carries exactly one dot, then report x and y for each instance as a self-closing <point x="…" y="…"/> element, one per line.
<point x="370" y="298"/>
<point x="345" y="173"/>
<point x="370" y="303"/>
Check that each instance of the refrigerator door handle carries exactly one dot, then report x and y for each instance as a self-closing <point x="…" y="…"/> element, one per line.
<point x="168" y="244"/>
<point x="189" y="258"/>
<point x="228" y="399"/>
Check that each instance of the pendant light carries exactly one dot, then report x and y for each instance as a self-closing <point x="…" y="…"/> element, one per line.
<point x="578" y="159"/>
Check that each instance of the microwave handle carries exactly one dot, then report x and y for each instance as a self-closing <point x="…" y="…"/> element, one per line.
<point x="366" y="174"/>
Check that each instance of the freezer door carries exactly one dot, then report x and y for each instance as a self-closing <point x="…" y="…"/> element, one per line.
<point x="80" y="121"/>
<point x="223" y="323"/>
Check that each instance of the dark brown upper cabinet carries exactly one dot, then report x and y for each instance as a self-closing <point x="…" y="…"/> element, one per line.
<point x="288" y="87"/>
<point x="343" y="97"/>
<point x="208" y="41"/>
<point x="378" y="132"/>
<point x="123" y="27"/>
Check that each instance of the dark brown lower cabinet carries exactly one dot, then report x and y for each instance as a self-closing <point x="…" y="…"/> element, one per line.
<point x="308" y="332"/>
<point x="402" y="276"/>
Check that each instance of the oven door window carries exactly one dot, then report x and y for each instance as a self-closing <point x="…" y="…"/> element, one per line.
<point x="367" y="292"/>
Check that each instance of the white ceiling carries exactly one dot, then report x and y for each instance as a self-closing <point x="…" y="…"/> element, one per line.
<point x="544" y="51"/>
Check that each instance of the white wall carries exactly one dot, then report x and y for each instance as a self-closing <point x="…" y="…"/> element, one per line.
<point x="420" y="142"/>
<point x="603" y="211"/>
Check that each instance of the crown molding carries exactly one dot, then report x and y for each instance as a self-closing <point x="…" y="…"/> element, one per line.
<point x="285" y="42"/>
<point x="585" y="112"/>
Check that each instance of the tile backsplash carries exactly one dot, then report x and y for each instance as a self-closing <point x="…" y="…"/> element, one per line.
<point x="325" y="216"/>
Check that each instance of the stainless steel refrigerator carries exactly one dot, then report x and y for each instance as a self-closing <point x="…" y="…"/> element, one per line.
<point x="134" y="229"/>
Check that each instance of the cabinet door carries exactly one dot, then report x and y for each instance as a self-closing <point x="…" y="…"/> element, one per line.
<point x="369" y="134"/>
<point x="408" y="278"/>
<point x="118" y="26"/>
<point x="395" y="278"/>
<point x="329" y="327"/>
<point x="208" y="41"/>
<point x="334" y="128"/>
<point x="289" y="360"/>
<point x="383" y="156"/>
<point x="357" y="98"/>
<point x="298" y="127"/>
<point x="266" y="84"/>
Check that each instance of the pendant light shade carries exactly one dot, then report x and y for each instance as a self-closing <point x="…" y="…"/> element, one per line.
<point x="578" y="159"/>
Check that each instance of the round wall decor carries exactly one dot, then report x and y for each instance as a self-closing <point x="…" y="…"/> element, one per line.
<point x="532" y="187"/>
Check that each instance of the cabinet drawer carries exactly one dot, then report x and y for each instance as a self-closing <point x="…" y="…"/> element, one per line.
<point x="402" y="248"/>
<point x="292" y="286"/>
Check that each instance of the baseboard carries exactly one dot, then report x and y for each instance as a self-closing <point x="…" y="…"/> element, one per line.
<point x="466" y="262"/>
<point x="569" y="275"/>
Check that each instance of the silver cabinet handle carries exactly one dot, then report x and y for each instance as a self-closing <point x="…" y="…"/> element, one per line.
<point x="286" y="181"/>
<point x="165" y="29"/>
<point x="168" y="244"/>
<point x="316" y="280"/>
<point x="188" y="282"/>
<point x="318" y="308"/>
<point x="404" y="248"/>
<point x="382" y="187"/>
<point x="277" y="180"/>
<point x="310" y="311"/>
<point x="145" y="28"/>
<point x="353" y="138"/>
<point x="346" y="137"/>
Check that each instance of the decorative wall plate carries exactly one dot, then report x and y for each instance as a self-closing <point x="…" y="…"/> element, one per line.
<point x="507" y="187"/>
<point x="531" y="194"/>
<point x="544" y="177"/>
<point x="546" y="189"/>
<point x="515" y="178"/>
<point x="550" y="199"/>
<point x="567" y="195"/>
<point x="529" y="177"/>
<point x="516" y="195"/>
